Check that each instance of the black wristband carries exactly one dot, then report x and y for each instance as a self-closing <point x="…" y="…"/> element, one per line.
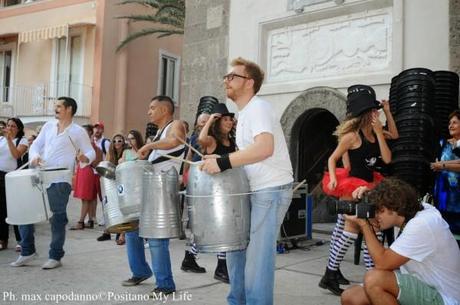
<point x="224" y="163"/>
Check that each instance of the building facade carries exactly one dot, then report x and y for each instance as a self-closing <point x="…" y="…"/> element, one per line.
<point x="52" y="48"/>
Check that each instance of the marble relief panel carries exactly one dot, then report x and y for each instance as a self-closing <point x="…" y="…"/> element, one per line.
<point x="330" y="47"/>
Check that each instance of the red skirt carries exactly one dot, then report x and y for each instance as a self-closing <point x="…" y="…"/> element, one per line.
<point x="346" y="184"/>
<point x="85" y="183"/>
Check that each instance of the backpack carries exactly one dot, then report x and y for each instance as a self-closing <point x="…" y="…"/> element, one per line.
<point x="104" y="150"/>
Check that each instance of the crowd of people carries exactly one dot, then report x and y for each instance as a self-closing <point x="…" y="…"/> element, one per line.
<point x="410" y="271"/>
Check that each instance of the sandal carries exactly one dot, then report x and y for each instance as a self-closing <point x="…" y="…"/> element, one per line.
<point x="90" y="224"/>
<point x="79" y="226"/>
<point x="121" y="240"/>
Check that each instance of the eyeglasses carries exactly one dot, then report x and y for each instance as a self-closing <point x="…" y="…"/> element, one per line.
<point x="118" y="141"/>
<point x="229" y="77"/>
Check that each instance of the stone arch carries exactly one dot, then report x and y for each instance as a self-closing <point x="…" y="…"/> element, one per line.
<point x="327" y="98"/>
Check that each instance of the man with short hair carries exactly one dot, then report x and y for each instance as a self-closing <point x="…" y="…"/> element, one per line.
<point x="161" y="111"/>
<point x="58" y="144"/>
<point x="102" y="142"/>
<point x="264" y="155"/>
<point x="425" y="252"/>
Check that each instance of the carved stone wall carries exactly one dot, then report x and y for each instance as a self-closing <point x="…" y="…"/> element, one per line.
<point x="327" y="48"/>
<point x="297" y="4"/>
<point x="205" y="53"/>
<point x="454" y="41"/>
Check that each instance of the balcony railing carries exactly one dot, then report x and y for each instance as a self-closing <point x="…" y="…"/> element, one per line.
<point x="39" y="100"/>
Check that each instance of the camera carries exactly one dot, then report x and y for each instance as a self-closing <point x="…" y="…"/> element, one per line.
<point x="362" y="209"/>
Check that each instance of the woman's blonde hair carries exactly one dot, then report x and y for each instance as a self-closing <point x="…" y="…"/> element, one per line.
<point x="353" y="124"/>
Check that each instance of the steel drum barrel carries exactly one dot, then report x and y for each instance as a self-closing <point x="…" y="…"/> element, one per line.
<point x="160" y="217"/>
<point x="129" y="177"/>
<point x="219" y="210"/>
<point x="115" y="221"/>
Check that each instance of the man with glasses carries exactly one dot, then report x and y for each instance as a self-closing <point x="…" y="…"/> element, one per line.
<point x="263" y="153"/>
<point x="59" y="143"/>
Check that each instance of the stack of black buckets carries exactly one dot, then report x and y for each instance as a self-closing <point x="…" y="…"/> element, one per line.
<point x="421" y="101"/>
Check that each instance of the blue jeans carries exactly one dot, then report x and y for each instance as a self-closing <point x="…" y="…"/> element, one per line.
<point x="136" y="255"/>
<point x="58" y="197"/>
<point x="252" y="271"/>
<point x="161" y="263"/>
<point x="159" y="253"/>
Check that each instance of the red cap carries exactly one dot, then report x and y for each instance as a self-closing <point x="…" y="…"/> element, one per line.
<point x="100" y="124"/>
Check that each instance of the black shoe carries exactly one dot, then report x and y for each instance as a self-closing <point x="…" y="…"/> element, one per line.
<point x="221" y="273"/>
<point x="158" y="292"/>
<point x="134" y="281"/>
<point x="189" y="264"/>
<point x="104" y="236"/>
<point x="330" y="281"/>
<point x="341" y="279"/>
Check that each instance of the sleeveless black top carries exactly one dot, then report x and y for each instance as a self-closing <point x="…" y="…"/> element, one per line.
<point x="221" y="149"/>
<point x="364" y="158"/>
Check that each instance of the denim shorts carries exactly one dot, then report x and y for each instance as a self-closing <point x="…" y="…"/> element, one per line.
<point x="414" y="291"/>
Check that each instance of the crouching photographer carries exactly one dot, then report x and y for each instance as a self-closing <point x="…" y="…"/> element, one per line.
<point x="425" y="252"/>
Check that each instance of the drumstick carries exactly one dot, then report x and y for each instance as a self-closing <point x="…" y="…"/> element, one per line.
<point x="189" y="146"/>
<point x="75" y="147"/>
<point x="179" y="159"/>
<point x="299" y="185"/>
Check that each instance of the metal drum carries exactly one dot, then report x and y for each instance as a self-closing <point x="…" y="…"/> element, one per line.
<point x="106" y="169"/>
<point x="219" y="213"/>
<point x="26" y="201"/>
<point x="115" y="221"/>
<point x="160" y="217"/>
<point x="129" y="176"/>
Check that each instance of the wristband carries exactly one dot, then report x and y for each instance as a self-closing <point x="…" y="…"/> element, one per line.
<point x="224" y="163"/>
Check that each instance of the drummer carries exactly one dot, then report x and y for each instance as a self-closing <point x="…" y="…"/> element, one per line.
<point x="59" y="143"/>
<point x="161" y="111"/>
<point x="264" y="155"/>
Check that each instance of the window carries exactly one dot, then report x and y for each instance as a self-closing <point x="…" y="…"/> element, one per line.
<point x="5" y="74"/>
<point x="68" y="67"/>
<point x="169" y="76"/>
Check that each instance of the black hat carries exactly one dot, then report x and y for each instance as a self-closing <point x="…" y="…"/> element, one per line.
<point x="222" y="109"/>
<point x="360" y="99"/>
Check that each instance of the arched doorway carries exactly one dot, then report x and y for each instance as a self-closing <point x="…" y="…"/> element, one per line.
<point x="314" y="129"/>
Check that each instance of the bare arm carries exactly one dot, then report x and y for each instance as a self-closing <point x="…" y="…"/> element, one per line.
<point x="392" y="132"/>
<point x="345" y="143"/>
<point x="204" y="139"/>
<point x="261" y="149"/>
<point x="169" y="141"/>
<point x="384" y="258"/>
<point x="385" y="151"/>
<point x="18" y="151"/>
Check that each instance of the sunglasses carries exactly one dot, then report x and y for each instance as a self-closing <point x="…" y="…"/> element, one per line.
<point x="229" y="77"/>
<point x="118" y="141"/>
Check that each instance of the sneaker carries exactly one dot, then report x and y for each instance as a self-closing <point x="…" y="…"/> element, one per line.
<point x="51" y="264"/>
<point x="104" y="236"/>
<point x="159" y="293"/>
<point x="23" y="260"/>
<point x="134" y="281"/>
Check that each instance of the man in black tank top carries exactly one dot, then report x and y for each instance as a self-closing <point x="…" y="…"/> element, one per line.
<point x="161" y="111"/>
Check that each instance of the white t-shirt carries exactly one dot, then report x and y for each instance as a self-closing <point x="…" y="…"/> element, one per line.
<point x="433" y="252"/>
<point x="7" y="162"/>
<point x="255" y="118"/>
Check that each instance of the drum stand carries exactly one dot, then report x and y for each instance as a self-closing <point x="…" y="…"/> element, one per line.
<point x="38" y="183"/>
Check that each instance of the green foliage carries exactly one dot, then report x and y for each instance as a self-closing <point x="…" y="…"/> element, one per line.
<point x="167" y="18"/>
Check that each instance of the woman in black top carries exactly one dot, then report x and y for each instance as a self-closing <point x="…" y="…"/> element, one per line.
<point x="361" y="144"/>
<point x="216" y="137"/>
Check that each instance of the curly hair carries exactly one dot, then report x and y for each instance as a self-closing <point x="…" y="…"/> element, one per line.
<point x="396" y="195"/>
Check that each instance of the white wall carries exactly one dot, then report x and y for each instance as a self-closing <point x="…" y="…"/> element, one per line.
<point x="418" y="33"/>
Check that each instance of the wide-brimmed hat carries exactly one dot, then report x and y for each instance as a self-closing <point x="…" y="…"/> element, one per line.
<point x="361" y="98"/>
<point x="222" y="109"/>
